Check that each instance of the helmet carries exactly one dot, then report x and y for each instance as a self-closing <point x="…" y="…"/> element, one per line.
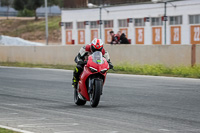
<point x="96" y="45"/>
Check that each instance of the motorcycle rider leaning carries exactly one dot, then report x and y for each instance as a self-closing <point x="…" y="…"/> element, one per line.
<point x="80" y="59"/>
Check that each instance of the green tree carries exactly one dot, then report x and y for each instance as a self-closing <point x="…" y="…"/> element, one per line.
<point x="28" y="4"/>
<point x="60" y="3"/>
<point x="56" y="2"/>
<point x="51" y="3"/>
<point x="33" y="5"/>
<point x="19" y="5"/>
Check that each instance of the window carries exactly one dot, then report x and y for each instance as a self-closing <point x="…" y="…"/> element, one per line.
<point x="94" y="24"/>
<point x="123" y="23"/>
<point x="156" y="21"/>
<point x="108" y="24"/>
<point x="80" y="25"/>
<point x="194" y="19"/>
<point x="69" y="25"/>
<point x="175" y="20"/>
<point x="139" y="22"/>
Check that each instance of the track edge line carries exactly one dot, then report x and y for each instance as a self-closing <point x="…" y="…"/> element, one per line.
<point x="15" y="129"/>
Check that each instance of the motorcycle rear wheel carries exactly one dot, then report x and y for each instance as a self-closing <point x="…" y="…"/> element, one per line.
<point x="77" y="100"/>
<point x="96" y="93"/>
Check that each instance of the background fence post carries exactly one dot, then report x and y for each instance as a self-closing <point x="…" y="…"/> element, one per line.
<point x="193" y="55"/>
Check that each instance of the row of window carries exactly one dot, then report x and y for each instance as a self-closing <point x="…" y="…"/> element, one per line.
<point x="155" y="21"/>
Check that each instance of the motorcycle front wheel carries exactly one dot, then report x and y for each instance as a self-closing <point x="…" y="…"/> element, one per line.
<point x="96" y="93"/>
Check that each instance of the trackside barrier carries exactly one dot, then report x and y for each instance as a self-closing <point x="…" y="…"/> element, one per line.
<point x="168" y="55"/>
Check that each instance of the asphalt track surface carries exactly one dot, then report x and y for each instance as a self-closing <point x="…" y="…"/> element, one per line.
<point x="41" y="101"/>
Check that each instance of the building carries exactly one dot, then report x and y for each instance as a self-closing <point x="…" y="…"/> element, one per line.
<point x="142" y="23"/>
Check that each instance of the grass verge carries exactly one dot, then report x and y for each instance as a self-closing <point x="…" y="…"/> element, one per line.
<point x="2" y="130"/>
<point x="160" y="70"/>
<point x="17" y="64"/>
<point x="155" y="70"/>
<point x="29" y="29"/>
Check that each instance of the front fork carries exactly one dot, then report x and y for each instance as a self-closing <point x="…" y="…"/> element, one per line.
<point x="91" y="85"/>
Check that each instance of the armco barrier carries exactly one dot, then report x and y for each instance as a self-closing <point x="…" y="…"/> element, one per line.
<point x="168" y="55"/>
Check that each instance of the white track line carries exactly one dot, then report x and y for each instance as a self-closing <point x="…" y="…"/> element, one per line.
<point x="94" y="131"/>
<point x="51" y="69"/>
<point x="15" y="129"/>
<point x="48" y="124"/>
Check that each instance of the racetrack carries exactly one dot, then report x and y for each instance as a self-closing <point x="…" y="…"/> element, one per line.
<point x="41" y="101"/>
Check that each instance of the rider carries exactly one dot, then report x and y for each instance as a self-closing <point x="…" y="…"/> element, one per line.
<point x="96" y="45"/>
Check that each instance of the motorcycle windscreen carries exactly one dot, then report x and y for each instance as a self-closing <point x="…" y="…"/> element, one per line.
<point x="97" y="57"/>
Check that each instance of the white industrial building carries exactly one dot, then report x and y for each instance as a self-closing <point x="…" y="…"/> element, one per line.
<point x="80" y="26"/>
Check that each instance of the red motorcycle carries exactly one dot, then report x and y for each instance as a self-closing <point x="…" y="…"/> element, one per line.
<point x="91" y="81"/>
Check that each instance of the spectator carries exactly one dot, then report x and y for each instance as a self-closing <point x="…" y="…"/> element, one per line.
<point x="123" y="39"/>
<point x="115" y="38"/>
<point x="118" y="36"/>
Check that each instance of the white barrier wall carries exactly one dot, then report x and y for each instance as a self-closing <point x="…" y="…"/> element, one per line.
<point x="171" y="55"/>
<point x="168" y="55"/>
<point x="39" y="54"/>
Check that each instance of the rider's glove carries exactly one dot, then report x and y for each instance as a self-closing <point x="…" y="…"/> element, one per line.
<point x="80" y="62"/>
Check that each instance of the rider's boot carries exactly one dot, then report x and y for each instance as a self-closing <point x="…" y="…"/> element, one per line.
<point x="74" y="83"/>
<point x="75" y="78"/>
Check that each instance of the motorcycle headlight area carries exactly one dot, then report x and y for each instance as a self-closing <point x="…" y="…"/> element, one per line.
<point x="104" y="71"/>
<point x="93" y="69"/>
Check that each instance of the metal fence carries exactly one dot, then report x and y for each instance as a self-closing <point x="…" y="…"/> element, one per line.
<point x="4" y="14"/>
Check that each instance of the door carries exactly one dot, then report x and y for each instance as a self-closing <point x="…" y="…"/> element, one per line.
<point x="157" y="35"/>
<point x="139" y="33"/>
<point x="176" y="35"/>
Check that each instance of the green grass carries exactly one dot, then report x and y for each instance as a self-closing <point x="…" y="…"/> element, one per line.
<point x="155" y="70"/>
<point x="2" y="130"/>
<point x="160" y="70"/>
<point x="53" y="24"/>
<point x="17" y="64"/>
<point x="19" y="27"/>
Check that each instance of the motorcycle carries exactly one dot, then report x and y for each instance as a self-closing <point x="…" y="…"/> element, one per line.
<point x="91" y="81"/>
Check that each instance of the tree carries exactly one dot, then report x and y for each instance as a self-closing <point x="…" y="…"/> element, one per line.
<point x="60" y="3"/>
<point x="51" y="3"/>
<point x="19" y="5"/>
<point x="33" y="5"/>
<point x="28" y="4"/>
<point x="7" y="3"/>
